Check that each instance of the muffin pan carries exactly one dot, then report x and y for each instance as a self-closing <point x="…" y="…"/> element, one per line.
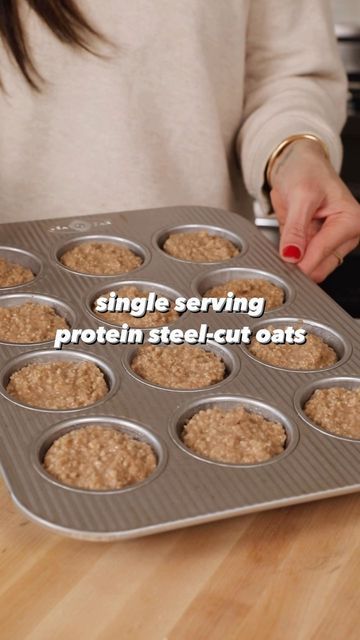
<point x="185" y="489"/>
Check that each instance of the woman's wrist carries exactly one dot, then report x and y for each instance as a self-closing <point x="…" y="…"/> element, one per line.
<point x="306" y="143"/>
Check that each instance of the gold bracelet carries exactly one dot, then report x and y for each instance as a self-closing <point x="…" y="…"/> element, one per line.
<point x="285" y="143"/>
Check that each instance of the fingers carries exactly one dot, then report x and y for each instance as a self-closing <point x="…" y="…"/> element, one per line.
<point x="339" y="233"/>
<point x="297" y="227"/>
<point x="332" y="262"/>
<point x="312" y="229"/>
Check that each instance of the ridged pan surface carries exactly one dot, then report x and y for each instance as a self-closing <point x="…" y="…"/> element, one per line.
<point x="185" y="489"/>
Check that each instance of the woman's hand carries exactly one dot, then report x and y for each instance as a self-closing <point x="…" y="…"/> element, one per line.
<point x="319" y="218"/>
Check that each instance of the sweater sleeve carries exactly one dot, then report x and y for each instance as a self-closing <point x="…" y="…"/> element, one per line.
<point x="294" y="83"/>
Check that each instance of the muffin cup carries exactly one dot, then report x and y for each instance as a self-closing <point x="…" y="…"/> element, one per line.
<point x="138" y="249"/>
<point x="232" y="367"/>
<point x="130" y="428"/>
<point x="144" y="285"/>
<point x="161" y="236"/>
<point x="62" y="309"/>
<point x="341" y="345"/>
<point x="227" y="403"/>
<point x="41" y="357"/>
<point x="25" y="259"/>
<point x="206" y="281"/>
<point x="303" y="394"/>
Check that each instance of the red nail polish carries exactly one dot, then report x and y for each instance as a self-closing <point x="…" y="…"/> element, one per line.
<point x="291" y="251"/>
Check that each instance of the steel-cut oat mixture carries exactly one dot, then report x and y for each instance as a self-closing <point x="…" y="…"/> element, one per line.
<point x="335" y="409"/>
<point x="29" y="322"/>
<point x="58" y="384"/>
<point x="200" y="246"/>
<point x="235" y="436"/>
<point x="313" y="354"/>
<point x="250" y="288"/>
<point x="12" y="274"/>
<point x="99" y="458"/>
<point x="178" y="366"/>
<point x="150" y="319"/>
<point x="101" y="258"/>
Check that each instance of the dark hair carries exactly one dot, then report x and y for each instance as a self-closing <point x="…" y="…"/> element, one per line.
<point x="64" y="19"/>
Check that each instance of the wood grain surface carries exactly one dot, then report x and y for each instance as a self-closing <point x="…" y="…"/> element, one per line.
<point x="290" y="574"/>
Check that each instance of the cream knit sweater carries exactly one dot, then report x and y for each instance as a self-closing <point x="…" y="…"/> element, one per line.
<point x="190" y="91"/>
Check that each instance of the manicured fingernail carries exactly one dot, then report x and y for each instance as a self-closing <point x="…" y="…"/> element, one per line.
<point x="291" y="251"/>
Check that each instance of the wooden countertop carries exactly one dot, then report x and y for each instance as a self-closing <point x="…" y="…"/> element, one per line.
<point x="290" y="574"/>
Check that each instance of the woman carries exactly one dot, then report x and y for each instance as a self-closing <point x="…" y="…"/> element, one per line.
<point x="125" y="105"/>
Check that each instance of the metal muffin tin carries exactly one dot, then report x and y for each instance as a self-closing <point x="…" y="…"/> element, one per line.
<point x="185" y="489"/>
